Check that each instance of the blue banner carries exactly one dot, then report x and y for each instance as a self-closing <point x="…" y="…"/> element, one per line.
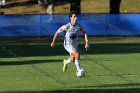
<point x="47" y="25"/>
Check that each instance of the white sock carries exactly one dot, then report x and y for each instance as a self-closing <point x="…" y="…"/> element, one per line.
<point x="68" y="61"/>
<point x="77" y="64"/>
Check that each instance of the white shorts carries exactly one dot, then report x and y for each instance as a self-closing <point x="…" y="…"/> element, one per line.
<point x="70" y="48"/>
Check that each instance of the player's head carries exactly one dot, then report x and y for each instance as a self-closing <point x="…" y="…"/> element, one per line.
<point x="73" y="12"/>
<point x="73" y="17"/>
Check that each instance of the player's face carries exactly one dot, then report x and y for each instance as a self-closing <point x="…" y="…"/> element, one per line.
<point x="73" y="19"/>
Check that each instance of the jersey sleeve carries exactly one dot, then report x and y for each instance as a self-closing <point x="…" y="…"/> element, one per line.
<point x="63" y="28"/>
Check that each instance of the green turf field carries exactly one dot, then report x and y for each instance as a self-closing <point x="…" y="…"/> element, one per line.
<point x="31" y="66"/>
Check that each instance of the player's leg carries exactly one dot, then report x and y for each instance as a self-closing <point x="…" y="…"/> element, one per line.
<point x="65" y="65"/>
<point x="69" y="60"/>
<point x="66" y="62"/>
<point x="77" y="61"/>
<point x="72" y="57"/>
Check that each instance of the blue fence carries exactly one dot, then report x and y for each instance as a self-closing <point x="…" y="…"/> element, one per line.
<point x="46" y="25"/>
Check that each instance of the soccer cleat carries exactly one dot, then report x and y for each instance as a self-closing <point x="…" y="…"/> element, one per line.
<point x="64" y="66"/>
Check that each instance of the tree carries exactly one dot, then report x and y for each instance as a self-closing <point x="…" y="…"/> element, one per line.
<point x="115" y="6"/>
<point x="75" y="5"/>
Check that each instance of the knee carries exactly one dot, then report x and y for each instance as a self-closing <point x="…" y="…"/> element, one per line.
<point x="72" y="58"/>
<point x="76" y="55"/>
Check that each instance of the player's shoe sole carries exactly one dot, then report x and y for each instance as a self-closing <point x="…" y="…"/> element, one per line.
<point x="64" y="66"/>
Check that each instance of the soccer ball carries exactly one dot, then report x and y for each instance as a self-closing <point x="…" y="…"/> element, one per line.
<point x="80" y="73"/>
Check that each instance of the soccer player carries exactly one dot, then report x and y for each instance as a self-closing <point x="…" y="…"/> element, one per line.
<point x="71" y="30"/>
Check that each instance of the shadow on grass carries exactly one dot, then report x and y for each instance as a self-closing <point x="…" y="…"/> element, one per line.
<point x="3" y="63"/>
<point x="58" y="50"/>
<point x="115" y="48"/>
<point x="131" y="90"/>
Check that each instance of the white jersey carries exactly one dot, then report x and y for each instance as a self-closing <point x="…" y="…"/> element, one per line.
<point x="71" y="35"/>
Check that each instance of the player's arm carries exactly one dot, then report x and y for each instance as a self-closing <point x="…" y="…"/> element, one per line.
<point x="54" y="38"/>
<point x="86" y="38"/>
<point x="61" y="29"/>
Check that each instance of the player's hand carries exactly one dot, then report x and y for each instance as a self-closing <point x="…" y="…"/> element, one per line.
<point x="86" y="46"/>
<point x="52" y="44"/>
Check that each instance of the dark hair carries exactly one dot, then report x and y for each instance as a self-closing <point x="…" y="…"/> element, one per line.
<point x="73" y="12"/>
